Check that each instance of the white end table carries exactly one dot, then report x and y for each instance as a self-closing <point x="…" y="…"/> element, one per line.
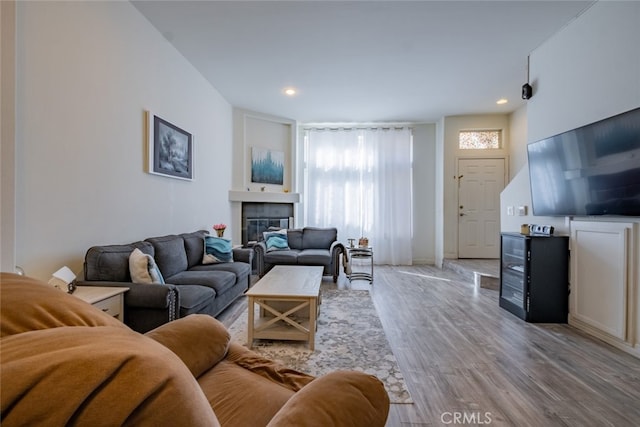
<point x="107" y="298"/>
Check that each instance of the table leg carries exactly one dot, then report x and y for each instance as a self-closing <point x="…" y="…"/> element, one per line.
<point x="250" y="322"/>
<point x="313" y="312"/>
<point x="371" y="281"/>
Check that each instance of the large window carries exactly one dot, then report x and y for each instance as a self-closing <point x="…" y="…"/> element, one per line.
<point x="359" y="181"/>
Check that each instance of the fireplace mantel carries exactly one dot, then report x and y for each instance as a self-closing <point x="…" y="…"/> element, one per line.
<point x="263" y="196"/>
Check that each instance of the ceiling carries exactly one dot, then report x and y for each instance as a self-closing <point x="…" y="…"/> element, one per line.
<point x="363" y="61"/>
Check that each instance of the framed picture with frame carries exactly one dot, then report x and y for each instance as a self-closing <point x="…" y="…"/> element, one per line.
<point x="267" y="166"/>
<point x="170" y="149"/>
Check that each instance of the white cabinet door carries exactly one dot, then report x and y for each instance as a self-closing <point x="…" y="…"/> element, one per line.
<point x="600" y="253"/>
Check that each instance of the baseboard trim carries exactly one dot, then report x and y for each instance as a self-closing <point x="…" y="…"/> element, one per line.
<point x="603" y="336"/>
<point x="424" y="261"/>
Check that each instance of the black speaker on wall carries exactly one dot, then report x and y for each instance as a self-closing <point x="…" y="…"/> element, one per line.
<point x="527" y="91"/>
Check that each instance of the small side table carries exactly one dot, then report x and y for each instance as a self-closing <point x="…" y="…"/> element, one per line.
<point x="361" y="253"/>
<point x="106" y="298"/>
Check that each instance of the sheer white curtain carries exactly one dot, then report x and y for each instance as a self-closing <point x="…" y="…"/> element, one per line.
<point x="359" y="181"/>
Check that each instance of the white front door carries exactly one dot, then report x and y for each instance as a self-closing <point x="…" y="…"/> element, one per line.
<point x="480" y="182"/>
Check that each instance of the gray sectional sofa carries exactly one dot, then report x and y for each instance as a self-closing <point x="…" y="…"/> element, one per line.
<point x="307" y="246"/>
<point x="190" y="286"/>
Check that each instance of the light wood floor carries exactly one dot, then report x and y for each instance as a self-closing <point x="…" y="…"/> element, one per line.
<point x="463" y="356"/>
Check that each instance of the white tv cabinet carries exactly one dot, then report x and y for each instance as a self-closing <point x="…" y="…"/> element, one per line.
<point x="604" y="299"/>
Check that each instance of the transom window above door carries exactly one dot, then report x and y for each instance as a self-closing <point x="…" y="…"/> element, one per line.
<point x="480" y="139"/>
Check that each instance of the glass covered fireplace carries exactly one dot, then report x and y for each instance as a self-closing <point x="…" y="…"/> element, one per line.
<point x="258" y="217"/>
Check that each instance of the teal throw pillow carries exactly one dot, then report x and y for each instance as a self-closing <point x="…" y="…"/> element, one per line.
<point x="276" y="240"/>
<point x="217" y="249"/>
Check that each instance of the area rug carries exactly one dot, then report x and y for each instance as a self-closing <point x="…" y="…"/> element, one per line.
<point x="349" y="336"/>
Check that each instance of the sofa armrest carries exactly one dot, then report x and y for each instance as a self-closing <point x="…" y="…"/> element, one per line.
<point x="340" y="398"/>
<point x="336" y="249"/>
<point x="199" y="340"/>
<point x="126" y="379"/>
<point x="243" y="255"/>
<point x="146" y="306"/>
<point x="29" y="304"/>
<point x="260" y="250"/>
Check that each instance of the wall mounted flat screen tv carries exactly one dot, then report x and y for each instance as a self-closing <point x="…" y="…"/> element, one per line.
<point x="591" y="170"/>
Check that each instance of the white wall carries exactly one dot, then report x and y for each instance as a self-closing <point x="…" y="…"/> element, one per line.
<point x="86" y="73"/>
<point x="7" y="135"/>
<point x="517" y="141"/>
<point x="439" y="194"/>
<point x="585" y="73"/>
<point x="517" y="192"/>
<point x="424" y="193"/>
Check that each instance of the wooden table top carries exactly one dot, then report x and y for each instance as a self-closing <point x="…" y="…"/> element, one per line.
<point x="92" y="294"/>
<point x="289" y="280"/>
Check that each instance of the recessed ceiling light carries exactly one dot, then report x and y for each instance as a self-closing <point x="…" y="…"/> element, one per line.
<point x="290" y="91"/>
<point x="501" y="101"/>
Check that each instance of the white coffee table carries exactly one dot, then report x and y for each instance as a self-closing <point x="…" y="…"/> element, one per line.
<point x="289" y="299"/>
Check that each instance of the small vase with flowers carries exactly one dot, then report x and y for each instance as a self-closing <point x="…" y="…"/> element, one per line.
<point x="219" y="229"/>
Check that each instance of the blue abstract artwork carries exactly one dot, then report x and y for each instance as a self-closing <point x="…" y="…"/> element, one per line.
<point x="267" y="166"/>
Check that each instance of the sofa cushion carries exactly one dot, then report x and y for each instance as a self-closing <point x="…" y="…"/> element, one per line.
<point x="220" y="281"/>
<point x="318" y="238"/>
<point x="282" y="257"/>
<point x="229" y="387"/>
<point x="314" y="257"/>
<point x="170" y="254"/>
<point x="143" y="268"/>
<point x="194" y="246"/>
<point x="240" y="269"/>
<point x="111" y="262"/>
<point x="276" y="240"/>
<point x="267" y="368"/>
<point x="194" y="298"/>
<point x="294" y="237"/>
<point x="217" y="249"/>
